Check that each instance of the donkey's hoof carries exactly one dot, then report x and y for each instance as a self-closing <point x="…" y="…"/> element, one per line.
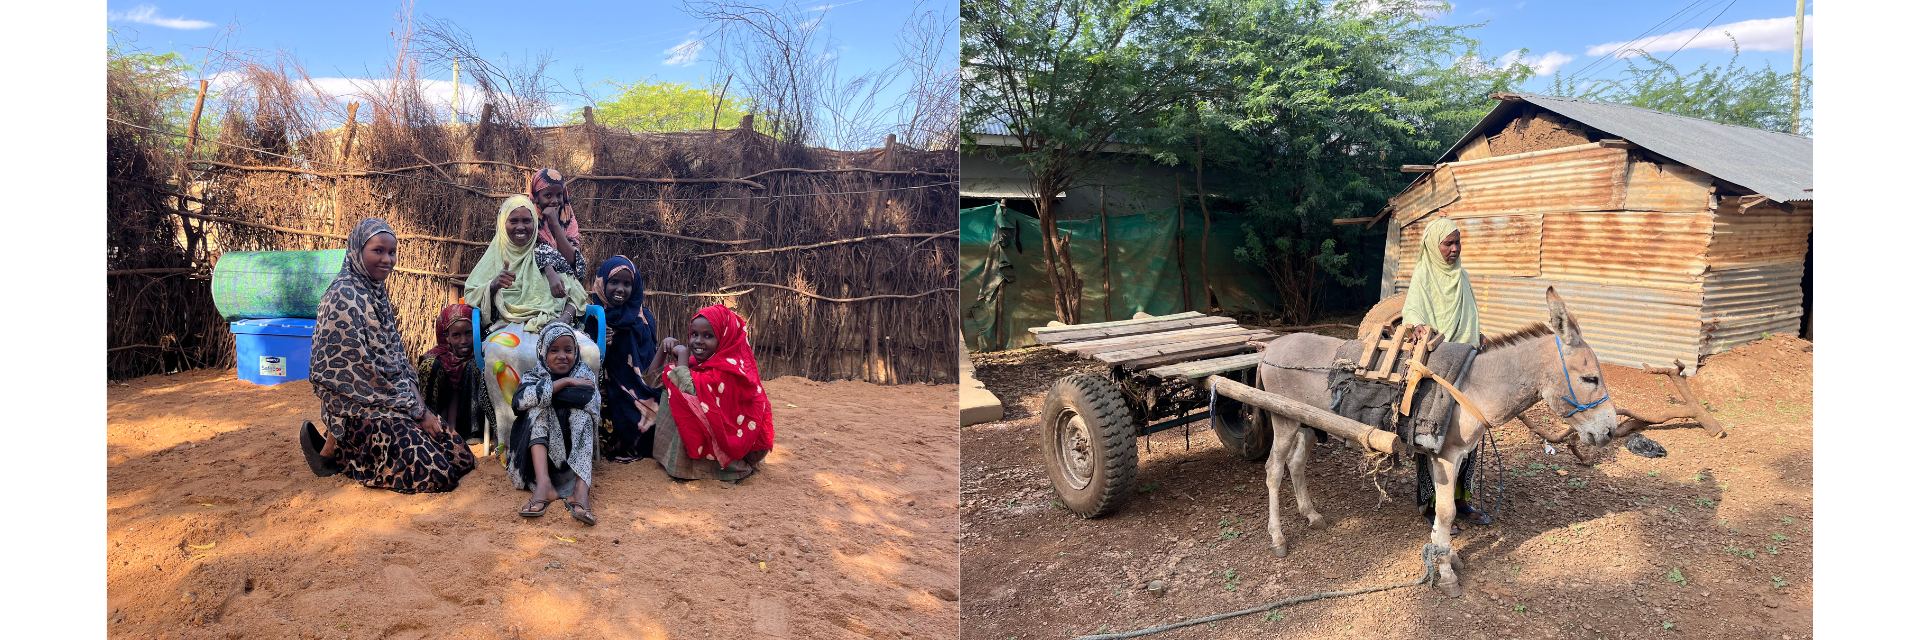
<point x="1316" y="522"/>
<point x="1279" y="551"/>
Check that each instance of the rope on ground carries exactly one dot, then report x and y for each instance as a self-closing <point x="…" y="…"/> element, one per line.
<point x="1428" y="554"/>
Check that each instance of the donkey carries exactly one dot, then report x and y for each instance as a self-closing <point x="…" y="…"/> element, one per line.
<point x="1512" y="373"/>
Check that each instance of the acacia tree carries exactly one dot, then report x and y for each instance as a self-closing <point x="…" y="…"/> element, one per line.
<point x="1319" y="107"/>
<point x="1068" y="79"/>
<point x="1728" y="94"/>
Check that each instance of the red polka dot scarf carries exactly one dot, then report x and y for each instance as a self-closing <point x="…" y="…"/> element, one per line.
<point x="729" y="415"/>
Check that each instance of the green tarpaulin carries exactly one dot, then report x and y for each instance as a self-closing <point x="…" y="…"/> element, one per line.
<point x="1000" y="303"/>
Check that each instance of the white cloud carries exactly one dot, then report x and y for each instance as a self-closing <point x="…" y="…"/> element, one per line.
<point x="1544" y="64"/>
<point x="686" y="53"/>
<point x="1775" y="34"/>
<point x="146" y="14"/>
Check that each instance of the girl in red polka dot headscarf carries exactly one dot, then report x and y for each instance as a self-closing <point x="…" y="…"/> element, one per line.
<point x="722" y="412"/>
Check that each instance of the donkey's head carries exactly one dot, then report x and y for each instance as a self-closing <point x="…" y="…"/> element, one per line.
<point x="1579" y="393"/>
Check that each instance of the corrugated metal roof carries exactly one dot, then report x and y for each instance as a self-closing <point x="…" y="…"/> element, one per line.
<point x="1776" y="165"/>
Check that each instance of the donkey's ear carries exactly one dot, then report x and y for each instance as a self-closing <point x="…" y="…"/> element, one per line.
<point x="1561" y="321"/>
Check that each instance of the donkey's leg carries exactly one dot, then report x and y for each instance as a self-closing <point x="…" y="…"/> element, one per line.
<point x="1443" y="468"/>
<point x="1297" y="464"/>
<point x="1285" y="432"/>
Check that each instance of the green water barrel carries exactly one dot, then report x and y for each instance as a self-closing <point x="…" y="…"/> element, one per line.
<point x="273" y="284"/>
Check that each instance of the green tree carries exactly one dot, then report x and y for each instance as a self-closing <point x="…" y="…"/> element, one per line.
<point x="1728" y="94"/>
<point x="1321" y="104"/>
<point x="1067" y="78"/>
<point x="665" y="106"/>
<point x="160" y="83"/>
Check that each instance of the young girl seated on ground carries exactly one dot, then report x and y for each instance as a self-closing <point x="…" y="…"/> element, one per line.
<point x="631" y="404"/>
<point x="558" y="252"/>
<point x="551" y="450"/>
<point x="450" y="376"/>
<point x="719" y="409"/>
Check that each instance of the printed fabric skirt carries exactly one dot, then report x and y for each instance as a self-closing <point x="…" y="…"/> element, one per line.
<point x="397" y="455"/>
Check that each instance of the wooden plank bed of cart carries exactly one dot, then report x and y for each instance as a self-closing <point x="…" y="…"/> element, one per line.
<point x="1161" y="369"/>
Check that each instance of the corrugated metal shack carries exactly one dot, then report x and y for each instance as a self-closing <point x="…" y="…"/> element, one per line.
<point x="1670" y="237"/>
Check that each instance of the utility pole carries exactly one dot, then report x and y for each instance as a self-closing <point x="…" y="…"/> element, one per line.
<point x="1799" y="31"/>
<point x="457" y="87"/>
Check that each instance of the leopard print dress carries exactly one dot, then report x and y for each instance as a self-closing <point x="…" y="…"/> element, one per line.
<point x="369" y="394"/>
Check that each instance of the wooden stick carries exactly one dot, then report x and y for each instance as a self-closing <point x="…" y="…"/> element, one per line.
<point x="902" y="172"/>
<point x="671" y="235"/>
<point x="1686" y="394"/>
<point x="150" y="272"/>
<point x="946" y="234"/>
<point x="1352" y="430"/>
<point x="884" y="296"/>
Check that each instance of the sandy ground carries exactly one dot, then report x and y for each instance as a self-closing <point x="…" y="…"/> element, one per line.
<point x="1713" y="541"/>
<point x="216" y="529"/>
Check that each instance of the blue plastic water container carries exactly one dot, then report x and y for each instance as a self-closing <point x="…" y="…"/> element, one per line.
<point x="269" y="351"/>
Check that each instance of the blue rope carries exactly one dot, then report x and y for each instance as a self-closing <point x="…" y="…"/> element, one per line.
<point x="1577" y="406"/>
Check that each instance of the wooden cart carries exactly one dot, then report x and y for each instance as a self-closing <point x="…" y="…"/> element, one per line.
<point x="1158" y="368"/>
<point x="1161" y="372"/>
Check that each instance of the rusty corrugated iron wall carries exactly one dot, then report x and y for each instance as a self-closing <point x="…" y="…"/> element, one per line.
<point x="1655" y="266"/>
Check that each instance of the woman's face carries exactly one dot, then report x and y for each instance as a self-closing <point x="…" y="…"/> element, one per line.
<point x="702" y="340"/>
<point x="379" y="255"/>
<point x="560" y="356"/>
<point x="1450" y="248"/>
<point x="619" y="287"/>
<point x="520" y="229"/>
<point x="552" y="195"/>
<point x="460" y="337"/>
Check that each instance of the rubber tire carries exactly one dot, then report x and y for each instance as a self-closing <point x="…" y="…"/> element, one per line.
<point x="1243" y="430"/>
<point x="1113" y="427"/>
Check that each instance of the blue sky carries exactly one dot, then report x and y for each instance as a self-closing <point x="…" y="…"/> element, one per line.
<point x="342" y="41"/>
<point x="1569" y="36"/>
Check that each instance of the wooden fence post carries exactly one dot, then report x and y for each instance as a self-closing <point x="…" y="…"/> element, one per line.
<point x="195" y="235"/>
<point x="877" y="370"/>
<point x="346" y="153"/>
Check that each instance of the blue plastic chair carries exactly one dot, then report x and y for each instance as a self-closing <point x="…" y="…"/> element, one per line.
<point x="480" y="332"/>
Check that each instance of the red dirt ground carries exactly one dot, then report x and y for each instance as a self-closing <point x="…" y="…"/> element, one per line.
<point x="853" y="516"/>
<point x="1589" y="554"/>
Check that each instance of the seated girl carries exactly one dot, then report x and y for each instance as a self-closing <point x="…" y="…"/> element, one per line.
<point x="507" y="287"/>
<point x="552" y="443"/>
<point x="631" y="404"/>
<point x="449" y="375"/>
<point x="722" y="423"/>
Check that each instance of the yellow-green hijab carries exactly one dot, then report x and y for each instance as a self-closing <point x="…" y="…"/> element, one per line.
<point x="528" y="300"/>
<point x="1441" y="296"/>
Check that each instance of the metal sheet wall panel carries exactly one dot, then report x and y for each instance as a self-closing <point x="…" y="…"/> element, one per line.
<point x="1625" y="325"/>
<point x="1760" y="237"/>
<point x="1630" y="248"/>
<point x="1430" y="192"/>
<point x="1578" y="178"/>
<point x="1500" y="245"/>
<point x="1742" y="304"/>
<point x="1653" y="186"/>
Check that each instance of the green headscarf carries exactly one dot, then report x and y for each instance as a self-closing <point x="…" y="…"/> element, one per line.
<point x="1441" y="296"/>
<point x="528" y="300"/>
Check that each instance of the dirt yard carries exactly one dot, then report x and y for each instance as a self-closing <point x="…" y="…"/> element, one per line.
<point x="216" y="529"/>
<point x="1713" y="541"/>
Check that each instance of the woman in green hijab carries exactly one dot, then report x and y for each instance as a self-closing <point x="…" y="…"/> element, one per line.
<point x="1440" y="301"/>
<point x="515" y="302"/>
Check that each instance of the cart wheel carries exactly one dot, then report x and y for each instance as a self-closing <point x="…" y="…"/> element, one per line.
<point x="1242" y="428"/>
<point x="1086" y="434"/>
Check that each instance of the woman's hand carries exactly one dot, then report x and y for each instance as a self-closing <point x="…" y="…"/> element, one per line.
<point x="502" y="281"/>
<point x="431" y="424"/>
<point x="1419" y="333"/>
